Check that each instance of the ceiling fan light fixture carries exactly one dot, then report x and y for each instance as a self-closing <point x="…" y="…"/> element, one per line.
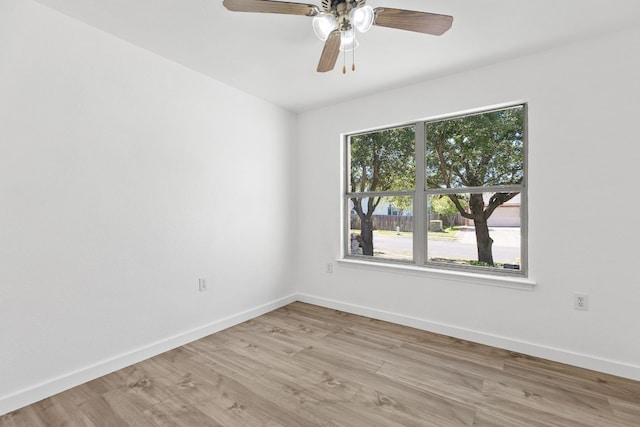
<point x="348" y="41"/>
<point x="323" y="24"/>
<point x="362" y="18"/>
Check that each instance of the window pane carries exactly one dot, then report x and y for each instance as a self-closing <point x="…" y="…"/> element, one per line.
<point x="476" y="151"/>
<point x="381" y="227"/>
<point x="383" y="160"/>
<point x="456" y="238"/>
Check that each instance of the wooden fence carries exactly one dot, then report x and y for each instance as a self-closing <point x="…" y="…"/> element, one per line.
<point x="391" y="222"/>
<point x="386" y="222"/>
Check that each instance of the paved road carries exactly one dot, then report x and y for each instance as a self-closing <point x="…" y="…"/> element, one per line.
<point x="506" y="246"/>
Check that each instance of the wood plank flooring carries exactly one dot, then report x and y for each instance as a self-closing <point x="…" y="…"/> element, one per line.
<point x="304" y="365"/>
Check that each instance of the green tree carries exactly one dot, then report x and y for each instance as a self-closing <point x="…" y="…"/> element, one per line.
<point x="443" y="206"/>
<point x="477" y="151"/>
<point x="380" y="161"/>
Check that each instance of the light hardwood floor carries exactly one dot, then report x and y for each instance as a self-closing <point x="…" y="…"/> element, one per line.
<point x="304" y="365"/>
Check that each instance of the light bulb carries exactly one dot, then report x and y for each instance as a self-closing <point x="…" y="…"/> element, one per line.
<point x="323" y="24"/>
<point x="348" y="40"/>
<point x="362" y="18"/>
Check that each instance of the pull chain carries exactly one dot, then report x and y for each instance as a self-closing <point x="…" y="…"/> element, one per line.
<point x="353" y="57"/>
<point x="344" y="62"/>
<point x="353" y="53"/>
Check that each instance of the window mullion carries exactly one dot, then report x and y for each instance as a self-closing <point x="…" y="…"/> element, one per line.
<point x="419" y="199"/>
<point x="346" y="182"/>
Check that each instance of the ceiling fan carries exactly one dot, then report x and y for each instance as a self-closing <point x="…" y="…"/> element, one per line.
<point x="336" y="23"/>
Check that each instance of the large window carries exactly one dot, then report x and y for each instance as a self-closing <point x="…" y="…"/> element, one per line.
<point x="446" y="193"/>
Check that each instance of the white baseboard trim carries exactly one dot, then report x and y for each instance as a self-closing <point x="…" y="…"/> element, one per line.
<point x="612" y="367"/>
<point x="56" y="385"/>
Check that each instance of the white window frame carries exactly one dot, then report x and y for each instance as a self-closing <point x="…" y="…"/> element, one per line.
<point x="420" y="265"/>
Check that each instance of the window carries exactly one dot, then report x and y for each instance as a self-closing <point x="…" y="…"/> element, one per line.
<point x="446" y="193"/>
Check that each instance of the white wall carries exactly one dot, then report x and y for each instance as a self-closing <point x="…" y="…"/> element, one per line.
<point x="583" y="166"/>
<point x="123" y="179"/>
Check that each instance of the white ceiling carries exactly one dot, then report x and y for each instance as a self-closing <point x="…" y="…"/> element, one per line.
<point x="274" y="56"/>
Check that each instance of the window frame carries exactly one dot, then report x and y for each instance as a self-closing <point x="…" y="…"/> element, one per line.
<point x="420" y="194"/>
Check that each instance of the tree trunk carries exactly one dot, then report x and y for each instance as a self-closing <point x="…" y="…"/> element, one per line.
<point x="366" y="231"/>
<point x="484" y="242"/>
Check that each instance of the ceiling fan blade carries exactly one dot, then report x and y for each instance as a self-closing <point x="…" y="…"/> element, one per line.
<point x="330" y="52"/>
<point x="421" y="22"/>
<point x="268" y="6"/>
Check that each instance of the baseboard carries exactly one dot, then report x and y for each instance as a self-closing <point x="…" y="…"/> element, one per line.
<point x="53" y="386"/>
<point x="555" y="354"/>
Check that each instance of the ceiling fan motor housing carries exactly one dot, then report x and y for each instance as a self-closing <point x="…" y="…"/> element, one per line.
<point x="341" y="9"/>
<point x="333" y="6"/>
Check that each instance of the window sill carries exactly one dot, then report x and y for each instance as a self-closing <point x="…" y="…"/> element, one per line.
<point x="518" y="283"/>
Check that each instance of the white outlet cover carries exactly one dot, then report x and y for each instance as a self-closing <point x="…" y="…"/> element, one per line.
<point x="581" y="302"/>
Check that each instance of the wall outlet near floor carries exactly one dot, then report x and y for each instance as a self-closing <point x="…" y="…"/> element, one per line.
<point x="202" y="284"/>
<point x="329" y="268"/>
<point x="581" y="302"/>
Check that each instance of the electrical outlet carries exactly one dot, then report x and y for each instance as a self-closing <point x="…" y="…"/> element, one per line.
<point x="329" y="268"/>
<point x="581" y="302"/>
<point x="202" y="284"/>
